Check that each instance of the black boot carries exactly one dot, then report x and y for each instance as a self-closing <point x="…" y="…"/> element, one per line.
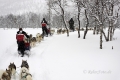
<point x="22" y="55"/>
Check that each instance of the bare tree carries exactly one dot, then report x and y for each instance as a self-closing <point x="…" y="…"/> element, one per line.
<point x="83" y="4"/>
<point x="112" y="17"/>
<point x="103" y="9"/>
<point x="49" y="3"/>
<point x="10" y="18"/>
<point x="79" y="6"/>
<point x="58" y="6"/>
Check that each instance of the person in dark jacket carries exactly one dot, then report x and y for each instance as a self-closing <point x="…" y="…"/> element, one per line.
<point x="71" y="24"/>
<point x="44" y="27"/>
<point x="21" y="44"/>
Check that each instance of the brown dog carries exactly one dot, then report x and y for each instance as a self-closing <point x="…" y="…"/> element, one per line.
<point x="12" y="67"/>
<point x="5" y="74"/>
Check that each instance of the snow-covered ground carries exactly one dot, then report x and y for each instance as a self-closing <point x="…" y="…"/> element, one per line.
<point x="59" y="57"/>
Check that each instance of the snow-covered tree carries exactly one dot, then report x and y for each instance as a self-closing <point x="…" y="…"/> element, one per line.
<point x="59" y="8"/>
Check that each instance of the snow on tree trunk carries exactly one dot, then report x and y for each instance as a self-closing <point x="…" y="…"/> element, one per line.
<point x="98" y="29"/>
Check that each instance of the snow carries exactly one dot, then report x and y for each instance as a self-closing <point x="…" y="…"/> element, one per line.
<point x="59" y="57"/>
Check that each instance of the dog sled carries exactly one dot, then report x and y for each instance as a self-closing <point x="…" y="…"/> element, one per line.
<point x="49" y="31"/>
<point x="26" y="46"/>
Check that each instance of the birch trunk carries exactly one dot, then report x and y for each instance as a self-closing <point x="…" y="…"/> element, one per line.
<point x="86" y="24"/>
<point x="108" y="33"/>
<point x="101" y="30"/>
<point x="111" y="29"/>
<point x="94" y="30"/>
<point x="78" y="19"/>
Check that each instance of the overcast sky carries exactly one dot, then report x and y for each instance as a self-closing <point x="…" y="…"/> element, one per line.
<point x="21" y="6"/>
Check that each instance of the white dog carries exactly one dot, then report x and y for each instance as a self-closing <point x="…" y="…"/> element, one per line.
<point x="38" y="37"/>
<point x="24" y="74"/>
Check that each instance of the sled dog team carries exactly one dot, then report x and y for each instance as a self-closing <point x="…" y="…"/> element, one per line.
<point x="11" y="71"/>
<point x="34" y="40"/>
<point x="38" y="38"/>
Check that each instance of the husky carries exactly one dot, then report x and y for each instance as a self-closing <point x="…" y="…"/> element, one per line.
<point x="24" y="74"/>
<point x="82" y="29"/>
<point x="59" y="31"/>
<point x="25" y="64"/>
<point x="52" y="31"/>
<point x="5" y="74"/>
<point x="12" y="67"/>
<point x="63" y="31"/>
<point x="32" y="40"/>
<point x="30" y="36"/>
<point x="38" y="37"/>
<point x="76" y="28"/>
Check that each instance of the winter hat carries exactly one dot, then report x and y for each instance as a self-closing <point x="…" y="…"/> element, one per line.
<point x="20" y="29"/>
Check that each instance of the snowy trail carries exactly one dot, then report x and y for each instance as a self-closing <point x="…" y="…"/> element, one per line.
<point x="11" y="55"/>
<point x="59" y="57"/>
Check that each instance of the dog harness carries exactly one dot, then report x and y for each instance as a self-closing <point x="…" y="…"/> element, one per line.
<point x="26" y="75"/>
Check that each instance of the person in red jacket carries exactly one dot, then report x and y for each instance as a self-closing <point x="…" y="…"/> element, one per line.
<point x="44" y="27"/>
<point x="20" y="41"/>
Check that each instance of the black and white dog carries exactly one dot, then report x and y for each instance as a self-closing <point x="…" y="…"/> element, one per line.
<point x="24" y="72"/>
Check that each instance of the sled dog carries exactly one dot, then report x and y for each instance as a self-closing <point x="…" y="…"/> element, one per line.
<point x="32" y="40"/>
<point x="5" y="74"/>
<point x="38" y="37"/>
<point x="24" y="74"/>
<point x="52" y="31"/>
<point x="59" y="31"/>
<point x="12" y="67"/>
<point x="25" y="64"/>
